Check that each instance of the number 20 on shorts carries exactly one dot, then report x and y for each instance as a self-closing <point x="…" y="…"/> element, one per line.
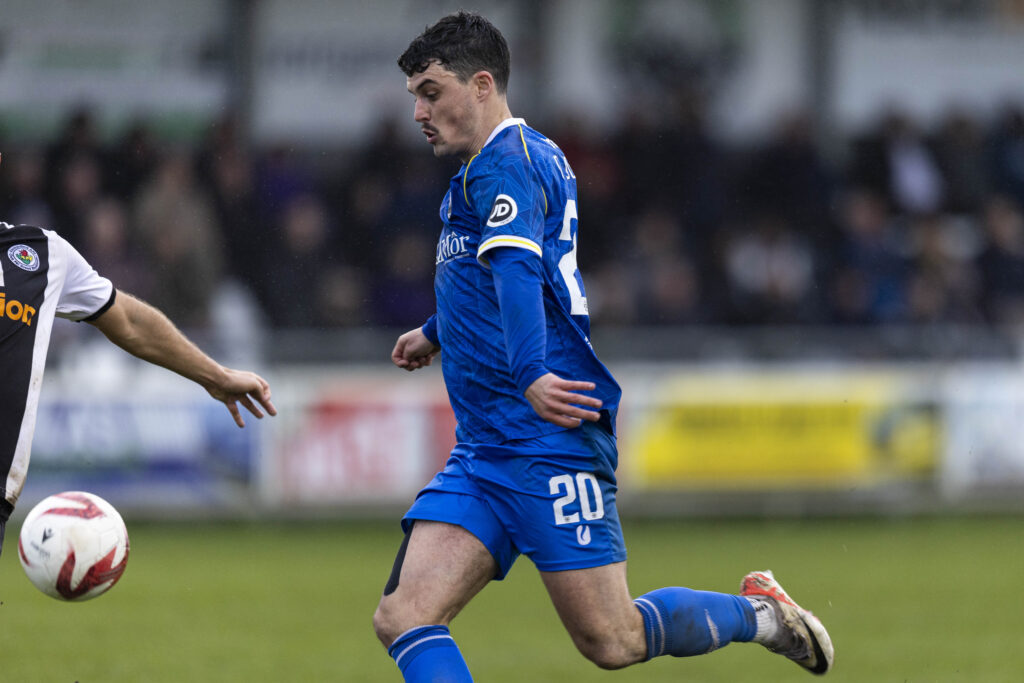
<point x="583" y="486"/>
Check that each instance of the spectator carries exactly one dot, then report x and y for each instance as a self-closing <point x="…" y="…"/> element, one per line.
<point x="665" y="285"/>
<point x="107" y="246"/>
<point x="28" y="204"/>
<point x="770" y="270"/>
<point x="1008" y="154"/>
<point x="896" y="162"/>
<point x="943" y="283"/>
<point x="343" y="293"/>
<point x="296" y="272"/>
<point x="179" y="232"/>
<point x="869" y="271"/>
<point x="1001" y="262"/>
<point x="789" y="178"/>
<point x="404" y="291"/>
<point x="132" y="161"/>
<point x="77" y="140"/>
<point x="247" y="242"/>
<point x="79" y="186"/>
<point x="962" y="158"/>
<point x="280" y="179"/>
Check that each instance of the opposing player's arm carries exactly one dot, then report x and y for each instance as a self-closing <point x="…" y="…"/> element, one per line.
<point x="145" y="332"/>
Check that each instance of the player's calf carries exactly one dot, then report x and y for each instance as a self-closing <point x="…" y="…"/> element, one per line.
<point x="683" y="622"/>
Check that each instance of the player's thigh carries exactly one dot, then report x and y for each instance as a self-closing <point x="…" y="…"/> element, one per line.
<point x="597" y="610"/>
<point x="443" y="568"/>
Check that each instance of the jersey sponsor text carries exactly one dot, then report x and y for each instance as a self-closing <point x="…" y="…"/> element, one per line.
<point x="451" y="246"/>
<point x="15" y="310"/>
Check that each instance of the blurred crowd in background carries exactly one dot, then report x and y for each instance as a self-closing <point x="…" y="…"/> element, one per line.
<point x="903" y="223"/>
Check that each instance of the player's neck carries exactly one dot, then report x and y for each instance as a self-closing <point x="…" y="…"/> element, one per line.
<point x="491" y="119"/>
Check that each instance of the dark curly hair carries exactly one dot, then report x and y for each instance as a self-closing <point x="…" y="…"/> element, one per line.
<point x="464" y="43"/>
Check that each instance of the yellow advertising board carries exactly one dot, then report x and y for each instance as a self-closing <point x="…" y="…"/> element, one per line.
<point x="785" y="430"/>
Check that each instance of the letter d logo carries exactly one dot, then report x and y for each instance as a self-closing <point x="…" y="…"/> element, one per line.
<point x="504" y="211"/>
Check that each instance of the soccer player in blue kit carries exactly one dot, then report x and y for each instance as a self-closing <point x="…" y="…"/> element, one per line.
<point x="533" y="471"/>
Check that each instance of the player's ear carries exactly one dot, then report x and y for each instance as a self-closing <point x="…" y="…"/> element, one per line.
<point x="483" y="83"/>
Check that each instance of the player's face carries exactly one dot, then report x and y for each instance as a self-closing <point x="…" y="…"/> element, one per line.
<point x="448" y="112"/>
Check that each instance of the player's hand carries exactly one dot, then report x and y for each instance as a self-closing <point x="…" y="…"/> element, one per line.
<point x="414" y="351"/>
<point x="247" y="388"/>
<point x="557" y="401"/>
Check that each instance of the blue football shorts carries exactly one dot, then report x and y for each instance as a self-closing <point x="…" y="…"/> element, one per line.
<point x="551" y="498"/>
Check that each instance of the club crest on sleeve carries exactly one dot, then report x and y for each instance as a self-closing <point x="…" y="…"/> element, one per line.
<point x="504" y="211"/>
<point x="24" y="256"/>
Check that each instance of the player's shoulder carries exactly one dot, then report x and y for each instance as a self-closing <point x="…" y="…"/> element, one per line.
<point x="11" y="233"/>
<point x="13" y="236"/>
<point x="515" y="146"/>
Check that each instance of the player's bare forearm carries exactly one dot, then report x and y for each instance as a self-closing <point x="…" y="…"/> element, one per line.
<point x="145" y="332"/>
<point x="414" y="351"/>
<point x="557" y="400"/>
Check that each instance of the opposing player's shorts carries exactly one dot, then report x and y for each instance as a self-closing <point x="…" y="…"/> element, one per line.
<point x="551" y="498"/>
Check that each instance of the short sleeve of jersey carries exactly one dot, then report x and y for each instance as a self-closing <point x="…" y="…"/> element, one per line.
<point x="85" y="291"/>
<point x="509" y="202"/>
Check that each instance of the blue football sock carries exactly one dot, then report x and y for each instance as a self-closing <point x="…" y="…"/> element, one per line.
<point x="682" y="622"/>
<point x="428" y="654"/>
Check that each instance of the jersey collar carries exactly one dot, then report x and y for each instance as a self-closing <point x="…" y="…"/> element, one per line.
<point x="502" y="126"/>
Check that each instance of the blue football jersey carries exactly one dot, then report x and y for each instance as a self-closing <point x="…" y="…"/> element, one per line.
<point x="519" y="191"/>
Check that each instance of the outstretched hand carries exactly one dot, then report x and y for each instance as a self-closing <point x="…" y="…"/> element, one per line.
<point x="414" y="351"/>
<point x="557" y="401"/>
<point x="247" y="388"/>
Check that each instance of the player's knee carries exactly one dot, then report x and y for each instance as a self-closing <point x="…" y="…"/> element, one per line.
<point x="393" y="618"/>
<point x="386" y="624"/>
<point x="606" y="652"/>
<point x="608" y="658"/>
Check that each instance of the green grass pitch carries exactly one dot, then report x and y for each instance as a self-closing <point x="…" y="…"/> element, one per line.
<point x="911" y="600"/>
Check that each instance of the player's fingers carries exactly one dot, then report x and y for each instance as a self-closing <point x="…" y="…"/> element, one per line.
<point x="588" y="415"/>
<point x="267" y="404"/>
<point x="569" y="421"/>
<point x="565" y="414"/>
<point x="398" y="354"/>
<point x="560" y="419"/>
<point x="264" y="393"/>
<point x="233" y="409"/>
<point x="589" y="401"/>
<point x="569" y="397"/>
<point x="250" y="406"/>
<point x="576" y="385"/>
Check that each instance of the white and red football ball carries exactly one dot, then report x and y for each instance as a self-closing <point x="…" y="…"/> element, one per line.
<point x="73" y="546"/>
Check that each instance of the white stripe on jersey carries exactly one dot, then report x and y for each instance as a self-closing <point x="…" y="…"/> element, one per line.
<point x="3" y="226"/>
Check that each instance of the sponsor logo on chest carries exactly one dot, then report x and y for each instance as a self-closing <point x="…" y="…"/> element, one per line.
<point x="452" y="246"/>
<point x="15" y="310"/>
